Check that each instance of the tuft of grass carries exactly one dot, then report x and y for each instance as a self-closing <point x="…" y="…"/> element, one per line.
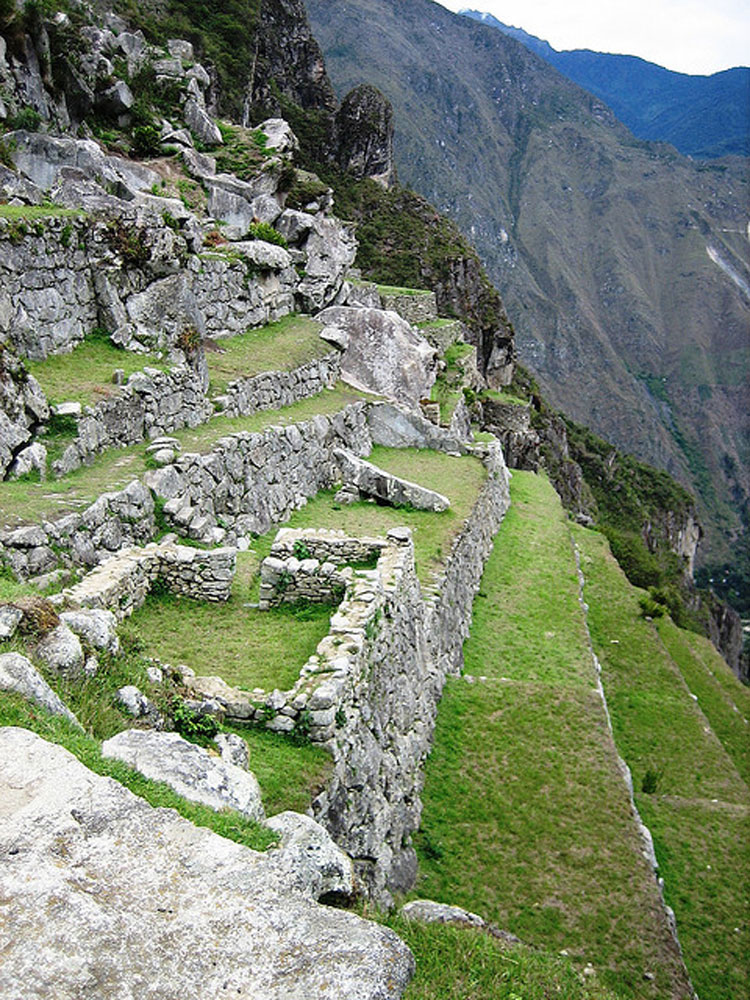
<point x="38" y="212"/>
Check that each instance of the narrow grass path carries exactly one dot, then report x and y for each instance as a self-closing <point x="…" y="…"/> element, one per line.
<point x="694" y="749"/>
<point x="527" y="819"/>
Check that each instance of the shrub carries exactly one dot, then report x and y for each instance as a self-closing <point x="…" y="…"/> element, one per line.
<point x="300" y="550"/>
<point x="650" y="781"/>
<point x="27" y="119"/>
<point x="146" y="140"/>
<point x="264" y="231"/>
<point x="192" y="725"/>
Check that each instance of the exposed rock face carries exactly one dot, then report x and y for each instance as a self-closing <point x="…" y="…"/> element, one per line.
<point x="365" y="135"/>
<point x="383" y="353"/>
<point x="190" y="770"/>
<point x="398" y="427"/>
<point x="23" y="406"/>
<point x="18" y="674"/>
<point x="60" y="651"/>
<point x="94" y="866"/>
<point x="288" y="54"/>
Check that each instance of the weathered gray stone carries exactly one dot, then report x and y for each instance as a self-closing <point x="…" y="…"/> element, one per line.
<point x="34" y="457"/>
<point x="19" y="675"/>
<point x="60" y="651"/>
<point x="429" y="912"/>
<point x="309" y="859"/>
<point x="384" y="354"/>
<point x="200" y="124"/>
<point x="190" y="770"/>
<point x="365" y="129"/>
<point x="233" y="750"/>
<point x="97" y="626"/>
<point x="374" y="482"/>
<point x="9" y="619"/>
<point x="202" y="916"/>
<point x="397" y="427"/>
<point x="279" y="136"/>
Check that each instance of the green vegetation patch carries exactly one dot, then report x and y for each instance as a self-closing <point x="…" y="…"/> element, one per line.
<point x="85" y="375"/>
<point x="514" y="826"/>
<point x="396" y="290"/>
<point x="687" y="784"/>
<point x="289" y="343"/>
<point x="457" y="963"/>
<point x="246" y="647"/>
<point x="38" y="212"/>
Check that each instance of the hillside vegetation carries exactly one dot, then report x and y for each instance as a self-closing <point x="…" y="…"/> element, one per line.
<point x="599" y="242"/>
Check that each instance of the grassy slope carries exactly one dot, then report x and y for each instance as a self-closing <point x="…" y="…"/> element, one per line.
<point x="699" y="812"/>
<point x="513" y="826"/>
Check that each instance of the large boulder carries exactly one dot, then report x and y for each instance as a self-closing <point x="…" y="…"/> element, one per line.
<point x="310" y="859"/>
<point x="61" y="652"/>
<point x="18" y="674"/>
<point x="103" y="892"/>
<point x="190" y="770"/>
<point x="384" y="354"/>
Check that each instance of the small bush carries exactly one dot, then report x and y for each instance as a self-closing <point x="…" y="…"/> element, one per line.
<point x="192" y="725"/>
<point x="300" y="550"/>
<point x="267" y="233"/>
<point x="27" y="119"/>
<point x="650" y="781"/>
<point x="146" y="140"/>
<point x="651" y="608"/>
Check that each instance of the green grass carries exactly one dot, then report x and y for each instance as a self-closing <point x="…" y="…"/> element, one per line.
<point x="14" y="711"/>
<point x="22" y="502"/>
<point x="513" y="826"/>
<point x="38" y="212"/>
<point x="85" y="375"/>
<point x="504" y="397"/>
<point x="396" y="290"/>
<point x="458" y="963"/>
<point x="700" y="809"/>
<point x="248" y="648"/>
<point x="460" y="479"/>
<point x="725" y="705"/>
<point x="280" y="346"/>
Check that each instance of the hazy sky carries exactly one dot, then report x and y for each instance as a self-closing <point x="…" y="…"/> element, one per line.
<point x="690" y="36"/>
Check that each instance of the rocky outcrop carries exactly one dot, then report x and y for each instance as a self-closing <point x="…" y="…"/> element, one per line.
<point x="382" y="352"/>
<point x="189" y="770"/>
<point x="23" y="407"/>
<point x="91" y="865"/>
<point x="364" y="126"/>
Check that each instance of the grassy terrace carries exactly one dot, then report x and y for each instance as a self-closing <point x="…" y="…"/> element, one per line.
<point x="698" y="810"/>
<point x="33" y="212"/>
<point x="23" y="502"/>
<point x="286" y="344"/>
<point x="514" y="826"/>
<point x="397" y="290"/>
<point x="251" y="648"/>
<point x="85" y="375"/>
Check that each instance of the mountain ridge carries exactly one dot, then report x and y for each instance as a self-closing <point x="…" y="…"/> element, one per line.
<point x="704" y="116"/>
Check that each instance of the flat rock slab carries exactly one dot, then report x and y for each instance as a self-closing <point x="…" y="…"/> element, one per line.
<point x="105" y="896"/>
<point x="18" y="674"/>
<point x="190" y="770"/>
<point x="374" y="482"/>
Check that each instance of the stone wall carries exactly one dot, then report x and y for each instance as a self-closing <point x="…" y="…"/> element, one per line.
<point x="273" y="390"/>
<point x="113" y="521"/>
<point x="121" y="583"/>
<point x="250" y="481"/>
<point x="414" y="307"/>
<point x="289" y="580"/>
<point x="47" y="295"/>
<point x="371" y="690"/>
<point x="152" y="402"/>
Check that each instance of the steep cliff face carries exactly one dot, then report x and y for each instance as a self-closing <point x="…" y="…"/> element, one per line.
<point x="288" y="63"/>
